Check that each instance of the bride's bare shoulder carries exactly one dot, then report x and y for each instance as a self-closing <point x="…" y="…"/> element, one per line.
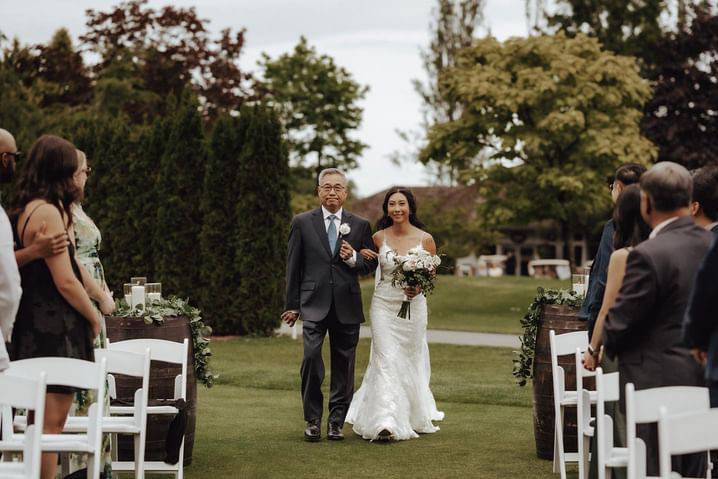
<point x="378" y="238"/>
<point x="427" y="241"/>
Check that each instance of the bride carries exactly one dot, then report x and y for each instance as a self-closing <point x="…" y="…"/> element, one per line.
<point x="394" y="401"/>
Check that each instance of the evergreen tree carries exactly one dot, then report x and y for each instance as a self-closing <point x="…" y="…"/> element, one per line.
<point x="179" y="186"/>
<point x="219" y="199"/>
<point x="264" y="216"/>
<point x="144" y="199"/>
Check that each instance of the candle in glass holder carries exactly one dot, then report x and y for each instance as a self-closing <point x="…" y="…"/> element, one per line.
<point x="127" y="292"/>
<point x="154" y="291"/>
<point x="152" y="297"/>
<point x="138" y="296"/>
<point x="140" y="280"/>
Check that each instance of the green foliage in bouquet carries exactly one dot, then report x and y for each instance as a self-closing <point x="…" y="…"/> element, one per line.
<point x="156" y="311"/>
<point x="523" y="363"/>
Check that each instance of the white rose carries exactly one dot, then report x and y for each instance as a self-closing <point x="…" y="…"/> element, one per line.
<point x="437" y="260"/>
<point x="413" y="252"/>
<point x="345" y="229"/>
<point x="409" y="265"/>
<point x="420" y="264"/>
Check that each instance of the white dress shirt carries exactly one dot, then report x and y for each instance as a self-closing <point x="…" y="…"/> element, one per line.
<point x="10" y="290"/>
<point x="661" y="225"/>
<point x="351" y="262"/>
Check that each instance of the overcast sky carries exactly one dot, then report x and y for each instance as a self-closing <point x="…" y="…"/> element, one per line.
<point x="377" y="40"/>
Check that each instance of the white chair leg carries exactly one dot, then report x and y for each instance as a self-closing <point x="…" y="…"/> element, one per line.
<point x="559" y="438"/>
<point x="556" y="459"/>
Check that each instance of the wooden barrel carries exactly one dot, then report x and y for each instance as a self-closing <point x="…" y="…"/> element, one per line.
<point x="162" y="376"/>
<point x="562" y="319"/>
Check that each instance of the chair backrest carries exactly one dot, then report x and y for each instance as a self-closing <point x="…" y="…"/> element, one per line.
<point x="561" y="345"/>
<point x="644" y="406"/>
<point x="685" y="433"/>
<point x="161" y="350"/>
<point x="25" y="393"/>
<point x="70" y="372"/>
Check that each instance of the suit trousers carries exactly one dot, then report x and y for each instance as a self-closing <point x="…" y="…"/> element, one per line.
<point x="343" y="339"/>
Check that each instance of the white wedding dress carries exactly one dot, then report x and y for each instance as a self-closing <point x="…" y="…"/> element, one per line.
<point x="395" y="393"/>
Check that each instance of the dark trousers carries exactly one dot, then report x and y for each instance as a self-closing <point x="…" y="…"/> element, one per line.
<point x="713" y="388"/>
<point x="343" y="339"/>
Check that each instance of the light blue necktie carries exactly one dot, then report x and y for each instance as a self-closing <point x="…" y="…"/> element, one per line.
<point x="332" y="233"/>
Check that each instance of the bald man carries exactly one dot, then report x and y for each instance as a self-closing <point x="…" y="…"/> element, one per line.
<point x="43" y="245"/>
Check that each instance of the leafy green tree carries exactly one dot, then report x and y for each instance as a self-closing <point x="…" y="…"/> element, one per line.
<point x="318" y="103"/>
<point x="179" y="186"/>
<point x="219" y="228"/>
<point x="263" y="217"/>
<point x="546" y="120"/>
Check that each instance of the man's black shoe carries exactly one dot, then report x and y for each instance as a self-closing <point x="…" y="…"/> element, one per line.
<point x="313" y="431"/>
<point x="335" y="432"/>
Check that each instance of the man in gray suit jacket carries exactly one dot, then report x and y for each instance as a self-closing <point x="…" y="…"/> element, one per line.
<point x="643" y="329"/>
<point x="323" y="268"/>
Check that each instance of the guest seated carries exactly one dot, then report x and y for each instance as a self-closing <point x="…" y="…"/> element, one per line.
<point x="56" y="316"/>
<point x="643" y="328"/>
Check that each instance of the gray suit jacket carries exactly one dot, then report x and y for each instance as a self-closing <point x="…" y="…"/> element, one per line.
<point x="643" y="328"/>
<point x="316" y="278"/>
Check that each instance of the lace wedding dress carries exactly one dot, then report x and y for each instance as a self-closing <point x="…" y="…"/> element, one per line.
<point x="395" y="393"/>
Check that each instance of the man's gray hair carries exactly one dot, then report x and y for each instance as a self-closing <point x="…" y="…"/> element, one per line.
<point x="331" y="171"/>
<point x="668" y="185"/>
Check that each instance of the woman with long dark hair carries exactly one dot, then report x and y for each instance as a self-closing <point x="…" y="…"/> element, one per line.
<point x="56" y="316"/>
<point x="394" y="401"/>
<point x="630" y="231"/>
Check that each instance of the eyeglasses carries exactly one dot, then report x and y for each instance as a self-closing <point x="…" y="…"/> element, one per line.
<point x="87" y="170"/>
<point x="16" y="154"/>
<point x="328" y="188"/>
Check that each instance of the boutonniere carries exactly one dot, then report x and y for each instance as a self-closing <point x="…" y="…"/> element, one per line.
<point x="345" y="229"/>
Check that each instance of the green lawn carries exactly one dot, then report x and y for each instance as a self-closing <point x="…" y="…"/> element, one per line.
<point x="250" y="424"/>
<point x="487" y="305"/>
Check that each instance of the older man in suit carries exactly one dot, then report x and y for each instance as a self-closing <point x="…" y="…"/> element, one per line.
<point x="643" y="329"/>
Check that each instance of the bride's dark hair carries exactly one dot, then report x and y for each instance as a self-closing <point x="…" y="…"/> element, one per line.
<point x="386" y="220"/>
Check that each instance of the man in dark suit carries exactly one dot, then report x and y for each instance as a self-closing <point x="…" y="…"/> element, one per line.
<point x="700" y="329"/>
<point x="323" y="269"/>
<point x="704" y="206"/>
<point x="643" y="329"/>
<point x="627" y="174"/>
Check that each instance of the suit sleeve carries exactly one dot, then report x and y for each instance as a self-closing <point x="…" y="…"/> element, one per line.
<point x="700" y="320"/>
<point x="636" y="298"/>
<point x="294" y="267"/>
<point x="365" y="266"/>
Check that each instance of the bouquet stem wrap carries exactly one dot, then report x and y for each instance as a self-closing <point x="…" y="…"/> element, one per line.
<point x="405" y="311"/>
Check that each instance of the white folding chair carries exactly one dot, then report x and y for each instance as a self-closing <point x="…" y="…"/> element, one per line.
<point x="29" y="394"/>
<point x="685" y="434"/>
<point x="74" y="373"/>
<point x="643" y="407"/>
<point x="129" y="364"/>
<point x="170" y="352"/>
<point x="607" y="455"/>
<point x="584" y="428"/>
<point x="561" y="345"/>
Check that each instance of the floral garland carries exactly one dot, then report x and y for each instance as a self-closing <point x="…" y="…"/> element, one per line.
<point x="156" y="311"/>
<point x="523" y="364"/>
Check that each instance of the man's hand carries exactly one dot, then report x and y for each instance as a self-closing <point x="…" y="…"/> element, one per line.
<point x="346" y="252"/>
<point x="368" y="254"/>
<point x="589" y="361"/>
<point x="45" y="245"/>
<point x="290" y="317"/>
<point x="700" y="356"/>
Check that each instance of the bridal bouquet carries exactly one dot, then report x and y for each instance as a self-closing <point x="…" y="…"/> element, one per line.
<point x="417" y="268"/>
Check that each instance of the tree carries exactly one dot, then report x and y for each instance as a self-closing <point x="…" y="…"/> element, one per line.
<point x="169" y="50"/>
<point x="452" y="29"/>
<point x="682" y="117"/>
<point x="263" y="223"/>
<point x="630" y="27"/>
<point x="552" y="116"/>
<point x="179" y="186"/>
<point x="318" y="104"/>
<point x="220" y="221"/>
